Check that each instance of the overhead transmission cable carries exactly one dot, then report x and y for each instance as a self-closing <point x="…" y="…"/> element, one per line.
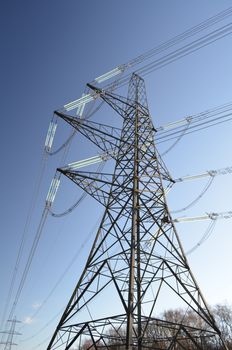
<point x="29" y="260"/>
<point x="186" y="34"/>
<point x="47" y="324"/>
<point x="192" y="203"/>
<point x="204" y="238"/>
<point x="176" y="141"/>
<point x="221" y="16"/>
<point x="226" y="107"/>
<point x="71" y="263"/>
<point x="195" y="128"/>
<point x="162" y="61"/>
<point x="50" y="198"/>
<point x="41" y="343"/>
<point x="52" y="193"/>
<point x="70" y="209"/>
<point x="177" y="54"/>
<point x="195" y="121"/>
<point x="187" y="49"/>
<point x="73" y="133"/>
<point x="35" y="195"/>
<point x="24" y="235"/>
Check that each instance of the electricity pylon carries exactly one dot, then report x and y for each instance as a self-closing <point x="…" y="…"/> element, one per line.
<point x="11" y="333"/>
<point x="136" y="262"/>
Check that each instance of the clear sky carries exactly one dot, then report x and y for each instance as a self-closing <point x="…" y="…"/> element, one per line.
<point x="49" y="51"/>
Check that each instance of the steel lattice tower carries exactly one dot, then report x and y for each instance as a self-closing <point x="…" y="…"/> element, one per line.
<point x="11" y="333"/>
<point x="137" y="254"/>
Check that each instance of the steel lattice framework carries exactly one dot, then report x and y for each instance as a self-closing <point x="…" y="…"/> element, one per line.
<point x="137" y="258"/>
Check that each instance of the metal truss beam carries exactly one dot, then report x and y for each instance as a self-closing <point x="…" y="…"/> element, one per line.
<point x="106" y="137"/>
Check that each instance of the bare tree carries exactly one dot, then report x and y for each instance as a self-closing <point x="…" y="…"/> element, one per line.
<point x="178" y="324"/>
<point x="223" y="317"/>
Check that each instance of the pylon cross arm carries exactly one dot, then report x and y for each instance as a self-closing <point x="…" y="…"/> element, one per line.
<point x="119" y="103"/>
<point x="105" y="137"/>
<point x="98" y="185"/>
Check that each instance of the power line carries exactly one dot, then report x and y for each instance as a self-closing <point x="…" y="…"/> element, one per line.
<point x="29" y="260"/>
<point x="176" y="141"/>
<point x="205" y="189"/>
<point x="196" y="128"/>
<point x="35" y="241"/>
<point x="186" y="34"/>
<point x="204" y="238"/>
<point x="194" y="118"/>
<point x="177" y="54"/>
<point x="194" y="122"/>
<point x="72" y="134"/>
<point x="187" y="49"/>
<point x="70" y="209"/>
<point x="45" y="326"/>
<point x="72" y="261"/>
<point x="23" y="239"/>
<point x="191" y="47"/>
<point x="41" y="343"/>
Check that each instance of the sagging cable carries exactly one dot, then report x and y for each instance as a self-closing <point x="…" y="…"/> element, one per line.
<point x="52" y="130"/>
<point x="78" y="202"/>
<point x="69" y="139"/>
<point x="69" y="210"/>
<point x="29" y="260"/>
<point x="189" y="119"/>
<point x="205" y="189"/>
<point x="205" y="236"/>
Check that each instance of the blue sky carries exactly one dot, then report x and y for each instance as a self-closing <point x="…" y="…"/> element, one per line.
<point x="50" y="50"/>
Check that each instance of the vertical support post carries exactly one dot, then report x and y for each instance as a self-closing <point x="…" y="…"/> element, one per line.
<point x="137" y="217"/>
<point x="135" y="243"/>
